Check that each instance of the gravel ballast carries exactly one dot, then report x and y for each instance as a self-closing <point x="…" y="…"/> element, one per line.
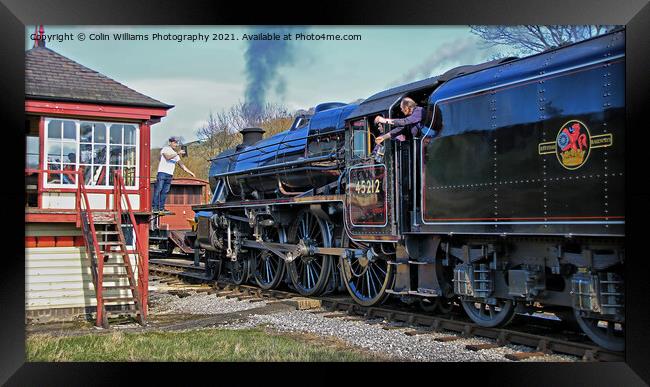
<point x="393" y="342"/>
<point x="368" y="334"/>
<point x="198" y="303"/>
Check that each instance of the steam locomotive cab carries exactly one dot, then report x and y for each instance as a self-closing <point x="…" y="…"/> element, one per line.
<point x="369" y="184"/>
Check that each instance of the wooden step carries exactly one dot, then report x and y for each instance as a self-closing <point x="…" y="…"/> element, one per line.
<point x="102" y="232"/>
<point x="119" y="258"/>
<point x="117" y="275"/>
<point x="113" y="258"/>
<point x="109" y="243"/>
<point x="116" y="264"/>
<point x="103" y="217"/>
<point x="118" y="287"/>
<point x="116" y="253"/>
<point x="131" y="312"/>
<point x="113" y="253"/>
<point x="119" y="299"/>
<point x="110" y="252"/>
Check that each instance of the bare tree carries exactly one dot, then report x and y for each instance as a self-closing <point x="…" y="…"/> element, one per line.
<point x="529" y="39"/>
<point x="221" y="130"/>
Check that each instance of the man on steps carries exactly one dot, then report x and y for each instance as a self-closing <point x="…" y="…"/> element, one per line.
<point x="169" y="157"/>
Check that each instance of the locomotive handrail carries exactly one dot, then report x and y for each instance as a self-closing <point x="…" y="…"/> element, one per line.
<point x="331" y="156"/>
<point x="293" y="170"/>
<point x="276" y="143"/>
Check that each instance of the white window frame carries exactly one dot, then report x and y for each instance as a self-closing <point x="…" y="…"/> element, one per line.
<point x="63" y="141"/>
<point x="107" y="164"/>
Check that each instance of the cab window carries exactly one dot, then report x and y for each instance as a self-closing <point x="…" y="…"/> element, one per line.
<point x="359" y="139"/>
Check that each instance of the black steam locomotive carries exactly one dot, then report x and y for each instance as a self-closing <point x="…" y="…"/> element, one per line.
<point x="509" y="200"/>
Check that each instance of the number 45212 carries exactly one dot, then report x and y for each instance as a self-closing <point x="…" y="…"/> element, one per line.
<point x="367" y="186"/>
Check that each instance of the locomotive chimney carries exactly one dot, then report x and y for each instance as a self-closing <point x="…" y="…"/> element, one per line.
<point x="251" y="135"/>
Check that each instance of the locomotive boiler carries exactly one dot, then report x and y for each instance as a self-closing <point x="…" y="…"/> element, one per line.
<point x="288" y="163"/>
<point x="509" y="200"/>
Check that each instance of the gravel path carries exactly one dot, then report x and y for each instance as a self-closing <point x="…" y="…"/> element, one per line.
<point x="392" y="343"/>
<point x="197" y="303"/>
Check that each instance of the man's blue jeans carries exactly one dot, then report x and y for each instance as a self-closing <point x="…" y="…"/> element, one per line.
<point x="163" y="184"/>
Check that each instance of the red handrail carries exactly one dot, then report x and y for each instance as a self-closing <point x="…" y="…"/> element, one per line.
<point x="117" y="196"/>
<point x="99" y="280"/>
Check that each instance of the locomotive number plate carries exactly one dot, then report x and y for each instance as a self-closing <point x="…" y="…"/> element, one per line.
<point x="367" y="196"/>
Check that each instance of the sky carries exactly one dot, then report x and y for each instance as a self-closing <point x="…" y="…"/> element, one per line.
<point x="199" y="77"/>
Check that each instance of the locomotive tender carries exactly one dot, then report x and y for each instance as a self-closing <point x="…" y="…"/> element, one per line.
<point x="509" y="200"/>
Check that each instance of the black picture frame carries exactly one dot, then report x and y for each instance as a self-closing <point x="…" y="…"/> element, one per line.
<point x="635" y="14"/>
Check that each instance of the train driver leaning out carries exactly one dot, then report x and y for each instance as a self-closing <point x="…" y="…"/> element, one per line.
<point x="412" y="121"/>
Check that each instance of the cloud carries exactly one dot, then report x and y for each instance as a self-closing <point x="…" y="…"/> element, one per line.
<point x="183" y="90"/>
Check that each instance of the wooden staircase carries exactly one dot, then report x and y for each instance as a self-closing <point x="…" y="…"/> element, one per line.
<point x="114" y="266"/>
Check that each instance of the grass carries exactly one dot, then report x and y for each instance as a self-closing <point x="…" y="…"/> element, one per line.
<point x="197" y="345"/>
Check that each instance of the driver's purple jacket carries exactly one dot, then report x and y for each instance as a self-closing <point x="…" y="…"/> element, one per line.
<point x="411" y="122"/>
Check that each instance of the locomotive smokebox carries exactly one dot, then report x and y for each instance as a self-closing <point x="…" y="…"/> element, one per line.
<point x="251" y="135"/>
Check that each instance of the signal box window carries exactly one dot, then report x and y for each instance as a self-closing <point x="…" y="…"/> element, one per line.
<point x="32" y="160"/>
<point x="92" y="152"/>
<point x="96" y="148"/>
<point x="61" y="150"/>
<point x="122" y="152"/>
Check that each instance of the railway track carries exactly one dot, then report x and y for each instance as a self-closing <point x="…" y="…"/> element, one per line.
<point x="536" y="333"/>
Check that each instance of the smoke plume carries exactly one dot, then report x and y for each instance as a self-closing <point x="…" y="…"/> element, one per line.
<point x="458" y="52"/>
<point x="263" y="60"/>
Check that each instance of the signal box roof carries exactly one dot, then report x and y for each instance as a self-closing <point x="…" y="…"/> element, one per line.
<point x="51" y="76"/>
